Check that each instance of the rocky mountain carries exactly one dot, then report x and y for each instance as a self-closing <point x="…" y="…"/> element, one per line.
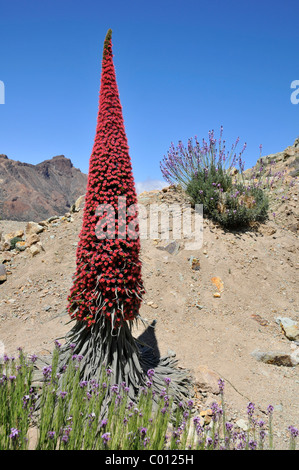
<point x="34" y="192"/>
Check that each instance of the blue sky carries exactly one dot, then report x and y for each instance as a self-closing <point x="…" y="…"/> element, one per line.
<point x="183" y="67"/>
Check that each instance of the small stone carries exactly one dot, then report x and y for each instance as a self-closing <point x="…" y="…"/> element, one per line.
<point x="8" y="236"/>
<point x="21" y="246"/>
<point x="35" y="249"/>
<point x="33" y="227"/>
<point x="267" y="230"/>
<point x="154" y="305"/>
<point x="78" y="204"/>
<point x="218" y="283"/>
<point x="206" y="379"/>
<point x="51" y="219"/>
<point x="276" y="358"/>
<point x="3" y="274"/>
<point x="19" y="233"/>
<point x="5" y="246"/>
<point x="171" y="353"/>
<point x="242" y="424"/>
<point x="208" y="412"/>
<point x="195" y="263"/>
<point x="172" y="248"/>
<point x="295" y="357"/>
<point x="217" y="294"/>
<point x="200" y="307"/>
<point x="6" y="257"/>
<point x="289" y="327"/>
<point x="34" y="238"/>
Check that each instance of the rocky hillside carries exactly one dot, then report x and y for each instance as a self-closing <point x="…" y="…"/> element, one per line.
<point x="284" y="168"/>
<point x="228" y="309"/>
<point x="35" y="192"/>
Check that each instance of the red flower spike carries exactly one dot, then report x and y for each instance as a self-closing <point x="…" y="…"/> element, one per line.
<point x="104" y="261"/>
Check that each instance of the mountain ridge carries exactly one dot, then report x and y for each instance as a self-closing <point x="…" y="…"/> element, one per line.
<point x="35" y="192"/>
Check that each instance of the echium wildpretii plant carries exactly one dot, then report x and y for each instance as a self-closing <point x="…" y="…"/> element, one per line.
<point x="107" y="286"/>
<point x="214" y="177"/>
<point x="108" y="276"/>
<point x="107" y="289"/>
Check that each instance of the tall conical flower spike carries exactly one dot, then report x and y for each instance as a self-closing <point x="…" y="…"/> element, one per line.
<point x="108" y="273"/>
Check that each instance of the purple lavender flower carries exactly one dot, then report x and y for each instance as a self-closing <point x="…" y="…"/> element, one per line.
<point x="114" y="388"/>
<point x="14" y="433"/>
<point x="252" y="445"/>
<point x="33" y="358"/>
<point x="221" y="385"/>
<point x="209" y="442"/>
<point x="47" y="372"/>
<point x="270" y="409"/>
<point x="250" y="409"/>
<point x="167" y="380"/>
<point x="104" y="423"/>
<point x="229" y="427"/>
<point x="262" y="434"/>
<point x="51" y="434"/>
<point x="150" y="373"/>
<point x="66" y="433"/>
<point x="149" y="384"/>
<point x="106" y="438"/>
<point x="5" y="358"/>
<point x="190" y="404"/>
<point x="293" y="431"/>
<point x="25" y="400"/>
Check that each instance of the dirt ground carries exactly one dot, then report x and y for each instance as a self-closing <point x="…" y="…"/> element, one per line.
<point x="211" y="336"/>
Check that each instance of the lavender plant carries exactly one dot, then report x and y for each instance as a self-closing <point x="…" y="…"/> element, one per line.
<point x="183" y="163"/>
<point x="214" y="177"/>
<point x="71" y="418"/>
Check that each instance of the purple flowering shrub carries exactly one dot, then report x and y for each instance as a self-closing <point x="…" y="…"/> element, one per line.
<point x="213" y="177"/>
